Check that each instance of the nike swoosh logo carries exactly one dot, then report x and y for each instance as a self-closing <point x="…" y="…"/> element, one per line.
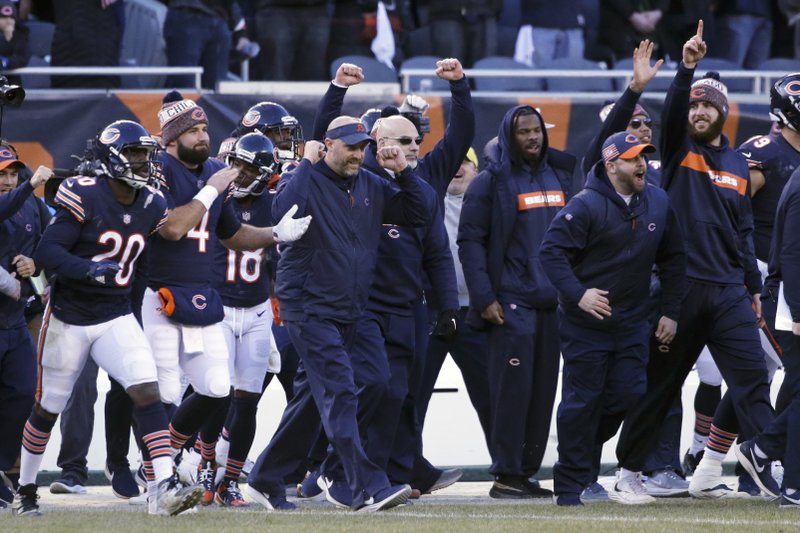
<point x="370" y="501"/>
<point x="747" y="154"/>
<point x="755" y="464"/>
<point x="261" y="313"/>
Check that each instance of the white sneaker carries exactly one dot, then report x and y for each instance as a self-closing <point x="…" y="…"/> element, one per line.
<point x="187" y="469"/>
<point x="173" y="498"/>
<point x="706" y="482"/>
<point x="629" y="490"/>
<point x="141" y="499"/>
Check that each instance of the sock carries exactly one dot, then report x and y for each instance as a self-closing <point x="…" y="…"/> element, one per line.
<point x="759" y="453"/>
<point x="208" y="450"/>
<point x="243" y="430"/>
<point x="151" y="422"/>
<point x="35" y="436"/>
<point x="719" y="442"/>
<point x="624" y="473"/>
<point x="702" y="427"/>
<point x="190" y="416"/>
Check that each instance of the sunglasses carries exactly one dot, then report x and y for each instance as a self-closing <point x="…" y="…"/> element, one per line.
<point x="405" y="141"/>
<point x="636" y="123"/>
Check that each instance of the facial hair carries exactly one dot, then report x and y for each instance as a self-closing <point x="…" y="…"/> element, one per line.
<point x="193" y="156"/>
<point x="713" y="131"/>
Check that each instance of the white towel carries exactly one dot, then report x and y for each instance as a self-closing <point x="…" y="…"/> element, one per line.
<point x="523" y="50"/>
<point x="383" y="43"/>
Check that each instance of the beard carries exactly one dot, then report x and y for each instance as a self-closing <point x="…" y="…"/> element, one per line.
<point x="193" y="156"/>
<point x="714" y="130"/>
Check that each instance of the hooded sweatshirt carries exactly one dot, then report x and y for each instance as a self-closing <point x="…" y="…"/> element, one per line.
<point x="599" y="241"/>
<point x="506" y="212"/>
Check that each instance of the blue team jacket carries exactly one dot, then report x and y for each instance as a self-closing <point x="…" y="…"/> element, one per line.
<point x="489" y="217"/>
<point x="327" y="273"/>
<point x="598" y="241"/>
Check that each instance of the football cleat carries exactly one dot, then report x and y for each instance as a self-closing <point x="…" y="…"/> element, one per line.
<point x="229" y="495"/>
<point x="25" y="501"/>
<point x="206" y="477"/>
<point x="172" y="498"/>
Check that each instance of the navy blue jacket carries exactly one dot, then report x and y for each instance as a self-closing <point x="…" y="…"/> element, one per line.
<point x="709" y="188"/>
<point x="784" y="253"/>
<point x="776" y="159"/>
<point x="327" y="273"/>
<point x="439" y="165"/>
<point x="407" y="255"/>
<point x="489" y="218"/>
<point x="599" y="241"/>
<point x="20" y="231"/>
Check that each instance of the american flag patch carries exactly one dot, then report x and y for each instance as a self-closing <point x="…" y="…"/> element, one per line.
<point x="610" y="152"/>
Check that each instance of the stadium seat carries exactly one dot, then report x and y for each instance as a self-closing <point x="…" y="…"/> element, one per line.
<point x="40" y="38"/>
<point x="500" y="83"/>
<point x="578" y="82"/>
<point x="418" y="42"/>
<point x="143" y="42"/>
<point x="374" y="70"/>
<point x="656" y="84"/>
<point x="735" y="85"/>
<point x="782" y="64"/>
<point x="424" y="83"/>
<point x="35" y="81"/>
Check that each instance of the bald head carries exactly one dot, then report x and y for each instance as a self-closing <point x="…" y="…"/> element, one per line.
<point x="341" y="121"/>
<point x="401" y="132"/>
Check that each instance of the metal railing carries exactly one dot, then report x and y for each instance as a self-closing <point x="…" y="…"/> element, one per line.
<point x="197" y="72"/>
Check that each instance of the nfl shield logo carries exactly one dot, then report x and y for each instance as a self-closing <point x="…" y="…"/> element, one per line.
<point x="126" y="218"/>
<point x="246" y="216"/>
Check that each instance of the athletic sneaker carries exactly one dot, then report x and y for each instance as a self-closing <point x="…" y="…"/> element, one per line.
<point x="6" y="495"/>
<point x="309" y="488"/>
<point x="206" y="477"/>
<point x="594" y="493"/>
<point x="229" y="495"/>
<point x="747" y="487"/>
<point x="690" y="462"/>
<point x="666" y="483"/>
<point x="272" y="503"/>
<point x="173" y="498"/>
<point x="706" y="482"/>
<point x="790" y="501"/>
<point x="122" y="483"/>
<point x="25" y="501"/>
<point x="446" y="478"/>
<point x="517" y="488"/>
<point x="630" y="490"/>
<point x="386" y="499"/>
<point x="760" y="469"/>
<point x="67" y="485"/>
<point x="337" y="492"/>
<point x="188" y="467"/>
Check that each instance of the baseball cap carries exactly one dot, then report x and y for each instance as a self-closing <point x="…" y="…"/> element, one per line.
<point x="472" y="157"/>
<point x="624" y="145"/>
<point x="8" y="158"/>
<point x="350" y="134"/>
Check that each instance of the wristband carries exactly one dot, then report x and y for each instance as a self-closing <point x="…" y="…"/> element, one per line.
<point x="206" y="196"/>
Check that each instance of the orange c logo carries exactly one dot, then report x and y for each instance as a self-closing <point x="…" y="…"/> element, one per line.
<point x="792" y="88"/>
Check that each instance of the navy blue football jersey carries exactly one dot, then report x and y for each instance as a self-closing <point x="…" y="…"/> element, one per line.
<point x="189" y="262"/>
<point x="776" y="159"/>
<point x="91" y="225"/>
<point x="243" y="277"/>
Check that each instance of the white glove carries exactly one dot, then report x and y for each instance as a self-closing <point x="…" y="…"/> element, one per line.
<point x="290" y="229"/>
<point x="414" y="104"/>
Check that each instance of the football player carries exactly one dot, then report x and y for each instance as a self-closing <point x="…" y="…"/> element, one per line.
<point x="92" y="246"/>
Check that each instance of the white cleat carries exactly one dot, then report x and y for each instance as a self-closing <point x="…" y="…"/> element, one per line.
<point x="706" y="482"/>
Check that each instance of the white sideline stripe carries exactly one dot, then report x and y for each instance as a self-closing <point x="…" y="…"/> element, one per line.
<point x="601" y="518"/>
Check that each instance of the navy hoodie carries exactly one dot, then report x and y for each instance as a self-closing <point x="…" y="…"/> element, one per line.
<point x="784" y="253"/>
<point x="599" y="241"/>
<point x="327" y="273"/>
<point x="709" y="187"/>
<point x="506" y="212"/>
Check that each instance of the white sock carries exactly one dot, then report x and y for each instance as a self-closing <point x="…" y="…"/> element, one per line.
<point x="712" y="456"/>
<point x="29" y="466"/>
<point x="624" y="473"/>
<point x="698" y="443"/>
<point x="162" y="468"/>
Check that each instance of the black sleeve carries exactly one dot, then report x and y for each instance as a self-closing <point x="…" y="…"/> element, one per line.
<point x="329" y="108"/>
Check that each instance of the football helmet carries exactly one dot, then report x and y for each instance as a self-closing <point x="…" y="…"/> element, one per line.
<point x="111" y="144"/>
<point x="253" y="149"/>
<point x="274" y="121"/>
<point x="784" y="101"/>
<point x="369" y="118"/>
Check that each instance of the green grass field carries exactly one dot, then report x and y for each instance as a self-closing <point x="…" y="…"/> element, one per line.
<point x="676" y="515"/>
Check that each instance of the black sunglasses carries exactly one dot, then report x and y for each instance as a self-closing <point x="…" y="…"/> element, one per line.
<point x="405" y="141"/>
<point x="636" y="123"/>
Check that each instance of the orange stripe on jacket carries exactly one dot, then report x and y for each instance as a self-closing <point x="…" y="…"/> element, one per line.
<point x="533" y="200"/>
<point x="720" y="178"/>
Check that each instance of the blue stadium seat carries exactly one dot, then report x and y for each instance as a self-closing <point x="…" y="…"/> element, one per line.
<point x="143" y="42"/>
<point x="374" y="70"/>
<point x="424" y="83"/>
<point x="40" y="37"/>
<point x="500" y="83"/>
<point x="782" y="64"/>
<point x="578" y="82"/>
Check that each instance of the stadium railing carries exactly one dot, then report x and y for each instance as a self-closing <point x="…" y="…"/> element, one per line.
<point x="197" y="72"/>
